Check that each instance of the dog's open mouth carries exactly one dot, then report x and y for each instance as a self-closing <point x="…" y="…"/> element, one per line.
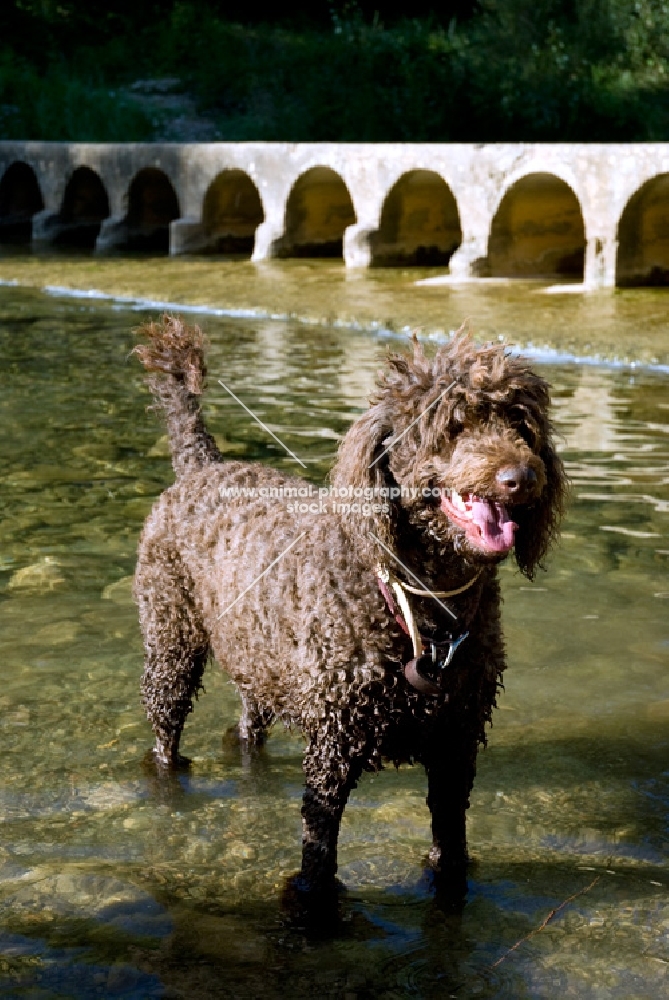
<point x="486" y="523"/>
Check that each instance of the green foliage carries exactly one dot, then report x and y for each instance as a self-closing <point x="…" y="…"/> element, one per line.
<point x="360" y="83"/>
<point x="571" y="70"/>
<point x="510" y="70"/>
<point x="59" y="105"/>
<point x="580" y="74"/>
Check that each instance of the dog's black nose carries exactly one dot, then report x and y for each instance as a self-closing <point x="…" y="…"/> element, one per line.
<point x="515" y="480"/>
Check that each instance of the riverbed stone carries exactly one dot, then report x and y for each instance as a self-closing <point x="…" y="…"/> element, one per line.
<point x="78" y="895"/>
<point x="120" y="592"/>
<point x="41" y="576"/>
<point x="56" y="633"/>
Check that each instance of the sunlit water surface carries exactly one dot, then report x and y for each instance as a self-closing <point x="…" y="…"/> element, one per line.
<point x="114" y="885"/>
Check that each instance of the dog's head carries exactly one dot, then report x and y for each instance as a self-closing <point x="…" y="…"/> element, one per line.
<point x="460" y="445"/>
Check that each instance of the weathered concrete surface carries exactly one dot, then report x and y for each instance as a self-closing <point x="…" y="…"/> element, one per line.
<point x="556" y="210"/>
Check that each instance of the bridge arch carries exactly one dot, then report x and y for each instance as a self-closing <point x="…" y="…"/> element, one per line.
<point x="643" y="235"/>
<point x="152" y="205"/>
<point x="20" y="199"/>
<point x="537" y="230"/>
<point x="232" y="210"/>
<point x="85" y="205"/>
<point x="420" y="222"/>
<point x="318" y="211"/>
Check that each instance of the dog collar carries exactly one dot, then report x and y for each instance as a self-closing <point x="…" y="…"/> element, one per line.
<point x="425" y="650"/>
<point x="384" y="574"/>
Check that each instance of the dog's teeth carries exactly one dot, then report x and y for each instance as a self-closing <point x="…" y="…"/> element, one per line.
<point x="457" y="500"/>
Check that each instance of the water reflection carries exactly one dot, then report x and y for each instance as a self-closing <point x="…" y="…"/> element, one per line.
<point x="113" y="885"/>
<point x="629" y="324"/>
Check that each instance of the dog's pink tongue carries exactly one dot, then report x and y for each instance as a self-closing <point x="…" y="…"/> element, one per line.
<point x="497" y="528"/>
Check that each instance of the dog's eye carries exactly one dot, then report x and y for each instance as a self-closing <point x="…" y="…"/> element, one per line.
<point x="528" y="433"/>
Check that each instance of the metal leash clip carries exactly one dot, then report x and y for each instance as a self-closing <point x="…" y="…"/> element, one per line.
<point x="452" y="649"/>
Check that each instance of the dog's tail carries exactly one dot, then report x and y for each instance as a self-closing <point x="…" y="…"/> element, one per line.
<point x="173" y="354"/>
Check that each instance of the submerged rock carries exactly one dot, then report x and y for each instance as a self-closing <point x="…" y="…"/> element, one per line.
<point x="120" y="591"/>
<point x="57" y="633"/>
<point x="41" y="576"/>
<point x="109" y="901"/>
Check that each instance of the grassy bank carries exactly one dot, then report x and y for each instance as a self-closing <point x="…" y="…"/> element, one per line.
<point x="541" y="70"/>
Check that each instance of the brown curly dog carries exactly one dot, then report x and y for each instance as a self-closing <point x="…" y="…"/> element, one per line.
<point x="374" y="625"/>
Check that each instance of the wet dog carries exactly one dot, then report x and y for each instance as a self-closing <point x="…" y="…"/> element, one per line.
<point x="373" y="622"/>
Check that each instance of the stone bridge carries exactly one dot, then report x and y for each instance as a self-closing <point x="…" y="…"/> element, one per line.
<point x="583" y="212"/>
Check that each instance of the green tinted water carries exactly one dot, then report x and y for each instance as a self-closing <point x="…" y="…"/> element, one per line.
<point x="112" y="885"/>
<point x="628" y="325"/>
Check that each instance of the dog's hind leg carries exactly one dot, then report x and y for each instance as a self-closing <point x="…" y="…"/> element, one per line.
<point x="330" y="777"/>
<point x="176" y="647"/>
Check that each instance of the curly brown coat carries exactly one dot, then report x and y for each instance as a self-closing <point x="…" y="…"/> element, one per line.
<point x="458" y="454"/>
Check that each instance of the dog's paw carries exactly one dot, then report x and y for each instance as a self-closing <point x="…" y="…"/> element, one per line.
<point x="158" y="761"/>
<point x="448" y="884"/>
<point x="314" y="909"/>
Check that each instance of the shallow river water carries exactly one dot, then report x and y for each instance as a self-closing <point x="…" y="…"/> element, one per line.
<point x="113" y="885"/>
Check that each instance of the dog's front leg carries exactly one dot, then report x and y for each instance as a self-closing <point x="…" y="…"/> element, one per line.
<point x="451" y="766"/>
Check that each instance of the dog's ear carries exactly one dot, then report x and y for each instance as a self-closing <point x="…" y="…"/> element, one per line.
<point x="538" y="526"/>
<point x="362" y="465"/>
<point x="361" y="462"/>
